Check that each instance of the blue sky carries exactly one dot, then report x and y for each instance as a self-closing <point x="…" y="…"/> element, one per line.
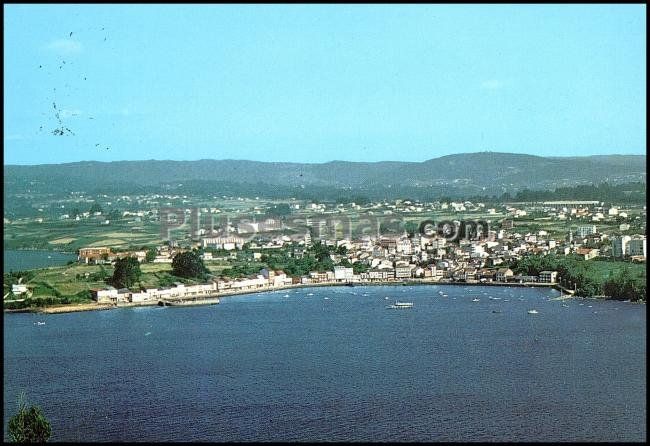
<point x="315" y="83"/>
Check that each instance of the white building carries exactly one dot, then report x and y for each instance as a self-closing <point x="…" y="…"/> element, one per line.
<point x="18" y="289"/>
<point x="620" y="246"/>
<point x="343" y="274"/>
<point x="548" y="276"/>
<point x="637" y="246"/>
<point x="584" y="231"/>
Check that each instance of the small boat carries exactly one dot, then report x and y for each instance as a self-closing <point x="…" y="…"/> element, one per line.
<point x="327" y="298"/>
<point x="445" y="295"/>
<point x="440" y="292"/>
<point x="386" y="298"/>
<point x="349" y="284"/>
<point x="39" y="323"/>
<point x="310" y="294"/>
<point x="286" y="295"/>
<point x="532" y="312"/>
<point x="401" y="305"/>
<point x="565" y="305"/>
<point x="476" y="299"/>
<point x="496" y="311"/>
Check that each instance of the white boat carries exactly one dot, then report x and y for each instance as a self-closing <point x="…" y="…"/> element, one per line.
<point x="532" y="311"/>
<point x="286" y="295"/>
<point x="476" y="299"/>
<point x="386" y="298"/>
<point x="440" y="292"/>
<point x="310" y="294"/>
<point x="401" y="305"/>
<point x="327" y="298"/>
<point x="445" y="295"/>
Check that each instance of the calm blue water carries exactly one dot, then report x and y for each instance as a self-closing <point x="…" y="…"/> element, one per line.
<point x="268" y="367"/>
<point x="19" y="260"/>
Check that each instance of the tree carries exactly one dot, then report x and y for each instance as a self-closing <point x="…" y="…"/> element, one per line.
<point x="346" y="263"/>
<point x="189" y="265"/>
<point x="279" y="210"/>
<point x="151" y="254"/>
<point x="358" y="267"/>
<point x="127" y="272"/>
<point x="411" y="228"/>
<point x="95" y="208"/>
<point x="29" y="425"/>
<point x="114" y="214"/>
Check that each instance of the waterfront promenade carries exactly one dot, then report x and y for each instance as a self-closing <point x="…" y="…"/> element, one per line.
<point x="226" y="293"/>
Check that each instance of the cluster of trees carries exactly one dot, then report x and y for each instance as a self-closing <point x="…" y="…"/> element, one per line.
<point x="189" y="265"/>
<point x="29" y="424"/>
<point x="624" y="286"/>
<point x="127" y="272"/>
<point x="316" y="258"/>
<point x="611" y="193"/>
<point x="583" y="276"/>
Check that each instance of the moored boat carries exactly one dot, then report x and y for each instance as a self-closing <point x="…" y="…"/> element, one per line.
<point x="189" y="302"/>
<point x="401" y="305"/>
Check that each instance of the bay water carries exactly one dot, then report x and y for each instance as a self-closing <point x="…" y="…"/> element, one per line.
<point x="335" y="364"/>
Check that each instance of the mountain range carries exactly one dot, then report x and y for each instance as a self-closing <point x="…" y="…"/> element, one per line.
<point x="466" y="174"/>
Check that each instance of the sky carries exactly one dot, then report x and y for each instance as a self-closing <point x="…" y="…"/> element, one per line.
<point x="316" y="83"/>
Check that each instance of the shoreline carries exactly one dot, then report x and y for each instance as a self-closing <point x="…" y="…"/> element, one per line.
<point x="73" y="308"/>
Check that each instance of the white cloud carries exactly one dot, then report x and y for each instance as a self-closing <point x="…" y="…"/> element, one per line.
<point x="492" y="84"/>
<point x="65" y="46"/>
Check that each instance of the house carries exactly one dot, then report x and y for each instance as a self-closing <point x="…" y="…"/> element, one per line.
<point x="404" y="272"/>
<point x="548" y="276"/>
<point x="317" y="277"/>
<point x="523" y="278"/>
<point x="378" y="274"/>
<point x="343" y="274"/>
<point x="140" y="297"/>
<point x="587" y="253"/>
<point x="485" y="274"/>
<point x="18" y="289"/>
<point x="106" y="295"/>
<point x="95" y="255"/>
<point x="503" y="274"/>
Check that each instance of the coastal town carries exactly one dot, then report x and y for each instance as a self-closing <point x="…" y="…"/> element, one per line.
<point x="240" y="260"/>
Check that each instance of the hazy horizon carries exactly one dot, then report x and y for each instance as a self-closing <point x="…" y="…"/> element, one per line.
<point x="321" y="162"/>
